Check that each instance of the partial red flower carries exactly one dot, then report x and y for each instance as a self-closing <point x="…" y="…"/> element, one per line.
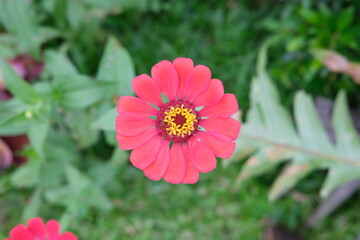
<point x="27" y="67"/>
<point x="36" y="230"/>
<point x="179" y="137"/>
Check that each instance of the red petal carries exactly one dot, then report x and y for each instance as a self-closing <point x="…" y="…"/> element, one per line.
<point x="211" y="95"/>
<point x="221" y="145"/>
<point x="144" y="155"/>
<point x="67" y="236"/>
<point x="197" y="81"/>
<point x="134" y="104"/>
<point x="131" y="142"/>
<point x="132" y="124"/>
<point x="20" y="233"/>
<point x="156" y="170"/>
<point x="52" y="229"/>
<point x="183" y="67"/>
<point x="37" y="227"/>
<point x="145" y="88"/>
<point x="165" y="76"/>
<point x="202" y="156"/>
<point x="177" y="165"/>
<point x="226" y="107"/>
<point x="228" y="126"/>
<point x="191" y="172"/>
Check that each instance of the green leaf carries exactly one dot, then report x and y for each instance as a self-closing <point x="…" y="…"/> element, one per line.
<point x="347" y="144"/>
<point x="75" y="13"/>
<point x="106" y="121"/>
<point x="57" y="64"/>
<point x="116" y="66"/>
<point x="28" y="175"/>
<point x="18" y="18"/>
<point x="33" y="207"/>
<point x="344" y="19"/>
<point x="270" y="137"/>
<point x="79" y="124"/>
<point x="77" y="91"/>
<point x="17" y="86"/>
<point x="37" y="133"/>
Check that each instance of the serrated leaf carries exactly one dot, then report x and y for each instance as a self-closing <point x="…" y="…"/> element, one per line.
<point x="290" y="176"/>
<point x="309" y="125"/>
<point x="347" y="144"/>
<point x="269" y="126"/>
<point x="116" y="66"/>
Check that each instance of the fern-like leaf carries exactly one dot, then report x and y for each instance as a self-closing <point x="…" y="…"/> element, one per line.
<point x="270" y="136"/>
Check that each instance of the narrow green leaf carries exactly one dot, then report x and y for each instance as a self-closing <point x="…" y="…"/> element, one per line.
<point x="262" y="161"/>
<point x="310" y="128"/>
<point x="19" y="18"/>
<point x="290" y="176"/>
<point x="37" y="133"/>
<point x="33" y="207"/>
<point x="57" y="64"/>
<point x="77" y="91"/>
<point x="77" y="180"/>
<point x="28" y="175"/>
<point x="17" y="86"/>
<point x="116" y="66"/>
<point x="79" y="123"/>
<point x="106" y="121"/>
<point x="347" y="138"/>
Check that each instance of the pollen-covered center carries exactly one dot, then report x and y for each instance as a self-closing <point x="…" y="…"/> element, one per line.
<point x="177" y="121"/>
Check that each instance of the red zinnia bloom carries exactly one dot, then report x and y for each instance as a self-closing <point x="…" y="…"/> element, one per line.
<point x="180" y="137"/>
<point x="36" y="230"/>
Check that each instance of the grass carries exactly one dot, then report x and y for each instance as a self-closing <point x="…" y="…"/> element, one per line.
<point x="212" y="209"/>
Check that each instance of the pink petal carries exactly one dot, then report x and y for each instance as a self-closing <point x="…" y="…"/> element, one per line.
<point x="156" y="170"/>
<point x="144" y="155"/>
<point x="165" y="76"/>
<point x="221" y="145"/>
<point x="211" y="95"/>
<point x="177" y="165"/>
<point x="228" y="126"/>
<point x="197" y="82"/>
<point x="134" y="104"/>
<point x="226" y="107"/>
<point x="52" y="229"/>
<point x="131" y="142"/>
<point x="202" y="156"/>
<point x="21" y="233"/>
<point x="145" y="88"/>
<point x="67" y="236"/>
<point x="191" y="172"/>
<point x="37" y="227"/>
<point x="183" y="67"/>
<point x="132" y="124"/>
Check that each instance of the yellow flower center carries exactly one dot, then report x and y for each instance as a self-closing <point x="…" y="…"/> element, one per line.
<point x="180" y="121"/>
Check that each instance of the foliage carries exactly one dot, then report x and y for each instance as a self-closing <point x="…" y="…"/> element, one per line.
<point x="270" y="137"/>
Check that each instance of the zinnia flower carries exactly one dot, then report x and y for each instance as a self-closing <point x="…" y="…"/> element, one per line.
<point x="36" y="230"/>
<point x="180" y="136"/>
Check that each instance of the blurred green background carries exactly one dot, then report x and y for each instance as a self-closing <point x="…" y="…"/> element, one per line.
<point x="91" y="50"/>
